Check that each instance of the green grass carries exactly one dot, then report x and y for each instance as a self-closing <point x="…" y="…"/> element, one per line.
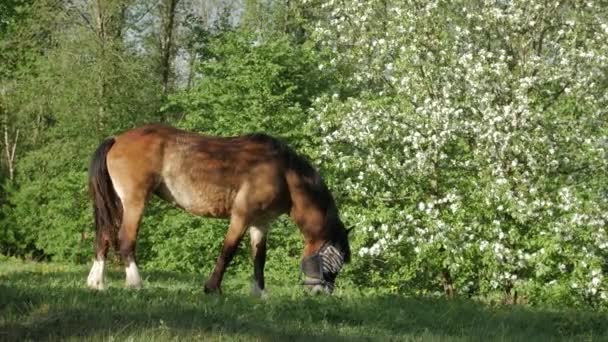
<point x="41" y="301"/>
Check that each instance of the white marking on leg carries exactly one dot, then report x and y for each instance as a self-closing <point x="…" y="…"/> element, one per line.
<point x="133" y="278"/>
<point x="95" y="279"/>
<point x="257" y="235"/>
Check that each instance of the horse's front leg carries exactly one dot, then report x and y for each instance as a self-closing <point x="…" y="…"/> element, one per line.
<point x="258" y="253"/>
<point x="231" y="242"/>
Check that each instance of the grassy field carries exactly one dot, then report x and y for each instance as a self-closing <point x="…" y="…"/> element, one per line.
<point x="41" y="301"/>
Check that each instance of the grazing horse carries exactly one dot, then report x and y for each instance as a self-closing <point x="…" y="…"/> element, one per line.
<point x="249" y="179"/>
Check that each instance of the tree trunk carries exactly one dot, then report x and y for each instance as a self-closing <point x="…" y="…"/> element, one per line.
<point x="448" y="284"/>
<point x="167" y="17"/>
<point x="101" y="80"/>
<point x="109" y="22"/>
<point x="10" y="147"/>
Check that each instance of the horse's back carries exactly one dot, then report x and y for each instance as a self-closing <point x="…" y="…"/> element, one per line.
<point x="205" y="175"/>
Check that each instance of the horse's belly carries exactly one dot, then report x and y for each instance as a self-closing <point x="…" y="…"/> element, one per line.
<point x="200" y="199"/>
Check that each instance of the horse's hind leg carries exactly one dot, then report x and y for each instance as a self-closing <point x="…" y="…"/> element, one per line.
<point x="127" y="237"/>
<point x="132" y="185"/>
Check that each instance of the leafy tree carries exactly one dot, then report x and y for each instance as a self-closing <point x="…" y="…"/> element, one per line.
<point x="249" y="83"/>
<point x="477" y="147"/>
<point x="87" y="84"/>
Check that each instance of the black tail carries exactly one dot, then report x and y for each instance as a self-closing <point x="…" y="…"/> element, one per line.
<point x="107" y="208"/>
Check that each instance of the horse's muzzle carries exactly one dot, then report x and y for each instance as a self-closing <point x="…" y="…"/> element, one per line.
<point x="318" y="286"/>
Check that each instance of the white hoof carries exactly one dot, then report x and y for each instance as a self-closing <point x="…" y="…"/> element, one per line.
<point x="95" y="278"/>
<point x="257" y="291"/>
<point x="133" y="280"/>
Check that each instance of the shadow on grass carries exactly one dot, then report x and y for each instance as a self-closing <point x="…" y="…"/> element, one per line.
<point x="56" y="305"/>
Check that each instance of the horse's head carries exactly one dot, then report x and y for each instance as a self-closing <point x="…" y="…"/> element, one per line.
<point x="322" y="268"/>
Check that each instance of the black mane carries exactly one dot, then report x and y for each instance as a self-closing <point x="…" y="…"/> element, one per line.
<point x="316" y="188"/>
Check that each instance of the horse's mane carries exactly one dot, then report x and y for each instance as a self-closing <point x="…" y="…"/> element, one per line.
<point x="314" y="185"/>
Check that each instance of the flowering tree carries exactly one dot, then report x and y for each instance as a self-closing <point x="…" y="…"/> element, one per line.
<point x="474" y="148"/>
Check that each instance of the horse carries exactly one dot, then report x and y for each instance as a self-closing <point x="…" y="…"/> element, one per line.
<point x="250" y="180"/>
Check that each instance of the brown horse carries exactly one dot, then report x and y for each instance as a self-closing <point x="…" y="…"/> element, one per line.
<point x="250" y="179"/>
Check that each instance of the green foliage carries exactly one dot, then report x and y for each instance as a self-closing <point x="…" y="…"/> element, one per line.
<point x="51" y="204"/>
<point x="65" y="101"/>
<point x="252" y="83"/>
<point x="171" y="239"/>
<point x="18" y="43"/>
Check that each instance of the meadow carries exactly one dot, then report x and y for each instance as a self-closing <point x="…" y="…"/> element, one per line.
<point x="49" y="301"/>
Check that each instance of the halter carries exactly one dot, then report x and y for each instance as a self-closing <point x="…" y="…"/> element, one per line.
<point x="312" y="268"/>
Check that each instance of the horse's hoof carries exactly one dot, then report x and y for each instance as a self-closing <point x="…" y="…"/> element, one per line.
<point x="134" y="286"/>
<point x="95" y="278"/>
<point x="257" y="292"/>
<point x="209" y="289"/>
<point x="319" y="290"/>
<point x="97" y="286"/>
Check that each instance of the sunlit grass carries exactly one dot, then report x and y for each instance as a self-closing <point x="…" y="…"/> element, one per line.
<point x="50" y="301"/>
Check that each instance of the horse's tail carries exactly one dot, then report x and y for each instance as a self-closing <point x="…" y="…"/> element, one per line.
<point x="107" y="208"/>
